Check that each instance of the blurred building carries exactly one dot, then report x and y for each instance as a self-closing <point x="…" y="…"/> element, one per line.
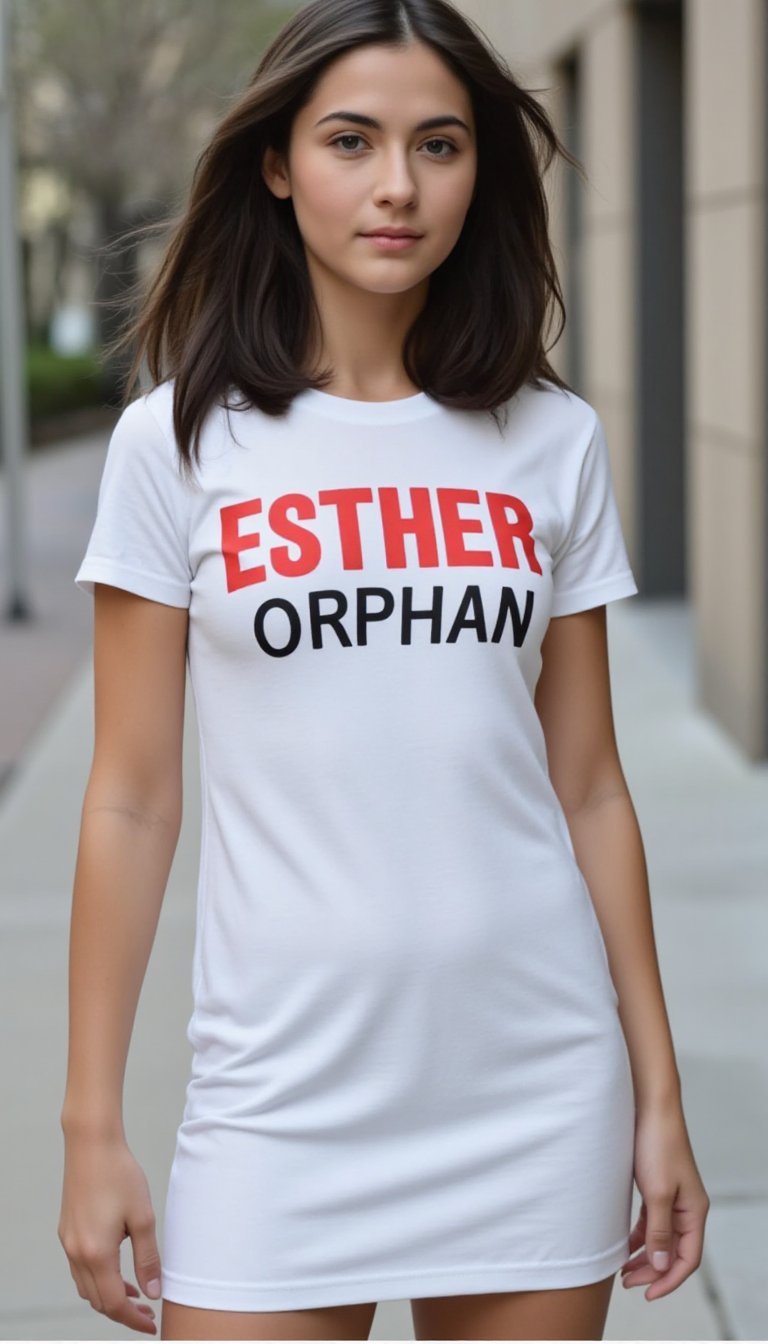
<point x="663" y="261"/>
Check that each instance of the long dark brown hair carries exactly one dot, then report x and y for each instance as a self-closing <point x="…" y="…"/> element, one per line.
<point x="231" y="306"/>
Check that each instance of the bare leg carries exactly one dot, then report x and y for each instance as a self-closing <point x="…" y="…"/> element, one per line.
<point x="550" y="1313"/>
<point x="347" y="1322"/>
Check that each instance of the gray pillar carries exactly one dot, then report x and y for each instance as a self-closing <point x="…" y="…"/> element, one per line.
<point x="13" y="414"/>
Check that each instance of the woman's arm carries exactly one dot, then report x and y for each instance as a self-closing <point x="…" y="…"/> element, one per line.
<point x="130" y="822"/>
<point x="573" y="700"/>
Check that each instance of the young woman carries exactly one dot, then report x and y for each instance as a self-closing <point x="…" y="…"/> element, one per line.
<point x="430" y="1044"/>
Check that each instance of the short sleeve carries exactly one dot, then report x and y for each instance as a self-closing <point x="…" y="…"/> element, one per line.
<point x="139" y="539"/>
<point x="591" y="565"/>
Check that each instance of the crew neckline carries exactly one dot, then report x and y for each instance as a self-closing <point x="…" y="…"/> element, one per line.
<point x="413" y="407"/>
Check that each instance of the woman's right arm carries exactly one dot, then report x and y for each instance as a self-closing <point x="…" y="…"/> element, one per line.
<point x="129" y="829"/>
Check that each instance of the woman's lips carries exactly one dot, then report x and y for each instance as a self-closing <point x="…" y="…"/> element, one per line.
<point x="389" y="244"/>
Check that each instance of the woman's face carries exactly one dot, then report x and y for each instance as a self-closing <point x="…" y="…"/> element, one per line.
<point x="347" y="177"/>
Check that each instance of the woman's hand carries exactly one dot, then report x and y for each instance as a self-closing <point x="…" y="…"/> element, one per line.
<point x="106" y="1199"/>
<point x="674" y="1207"/>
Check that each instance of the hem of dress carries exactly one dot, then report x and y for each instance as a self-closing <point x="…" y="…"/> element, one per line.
<point x="458" y="1279"/>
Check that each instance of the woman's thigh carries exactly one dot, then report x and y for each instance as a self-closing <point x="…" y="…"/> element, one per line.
<point x="347" y="1322"/>
<point x="549" y="1313"/>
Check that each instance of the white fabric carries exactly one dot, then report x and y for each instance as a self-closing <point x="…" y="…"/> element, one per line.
<point x="409" y="1076"/>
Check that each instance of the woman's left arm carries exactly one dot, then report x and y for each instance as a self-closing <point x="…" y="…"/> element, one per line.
<point x="573" y="701"/>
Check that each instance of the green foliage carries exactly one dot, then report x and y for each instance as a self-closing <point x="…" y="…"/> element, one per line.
<point x="58" y="383"/>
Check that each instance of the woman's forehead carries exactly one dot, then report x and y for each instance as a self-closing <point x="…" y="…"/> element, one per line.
<point x="391" y="84"/>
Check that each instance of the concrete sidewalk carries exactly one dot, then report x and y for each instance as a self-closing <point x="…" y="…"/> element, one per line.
<point x="38" y="655"/>
<point x="703" y="813"/>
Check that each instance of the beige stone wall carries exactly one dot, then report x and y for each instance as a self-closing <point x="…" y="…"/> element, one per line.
<point x="725" y="117"/>
<point x="534" y="37"/>
<point x="726" y="95"/>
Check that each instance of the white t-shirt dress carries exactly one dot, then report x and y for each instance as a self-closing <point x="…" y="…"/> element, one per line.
<point x="408" y="1075"/>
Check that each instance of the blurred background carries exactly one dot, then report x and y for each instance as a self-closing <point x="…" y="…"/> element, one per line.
<point x="104" y="108"/>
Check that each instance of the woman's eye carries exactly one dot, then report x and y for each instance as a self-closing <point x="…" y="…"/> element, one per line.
<point x="351" y="135"/>
<point x="440" y="141"/>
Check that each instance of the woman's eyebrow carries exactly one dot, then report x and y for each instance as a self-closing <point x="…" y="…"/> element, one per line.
<point x="430" y="124"/>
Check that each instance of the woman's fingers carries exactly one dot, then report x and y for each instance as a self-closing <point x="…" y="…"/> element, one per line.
<point x="659" y="1234"/>
<point x="685" y="1252"/>
<point x="114" y="1297"/>
<point x="146" y="1256"/>
<point x="636" y="1236"/>
<point x="92" y="1292"/>
<point x="138" y="1315"/>
<point x="105" y="1199"/>
<point x="142" y="1307"/>
<point x="640" y="1271"/>
<point x="683" y="1264"/>
<point x="635" y="1262"/>
<point x="86" y="1290"/>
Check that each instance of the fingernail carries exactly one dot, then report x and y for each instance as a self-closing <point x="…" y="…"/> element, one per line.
<point x="660" y="1260"/>
<point x="153" y="1288"/>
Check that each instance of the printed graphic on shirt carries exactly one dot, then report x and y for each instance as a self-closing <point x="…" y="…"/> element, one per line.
<point x="441" y="532"/>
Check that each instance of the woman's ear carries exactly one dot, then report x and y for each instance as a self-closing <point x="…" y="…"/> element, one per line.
<point x="275" y="173"/>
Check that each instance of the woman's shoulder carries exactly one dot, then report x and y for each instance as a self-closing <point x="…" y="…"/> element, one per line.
<point x="150" y="417"/>
<point x="559" y="408"/>
<point x="155" y="404"/>
<point x="146" y="420"/>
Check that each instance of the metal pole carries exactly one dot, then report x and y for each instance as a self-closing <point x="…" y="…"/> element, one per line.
<point x="13" y="410"/>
